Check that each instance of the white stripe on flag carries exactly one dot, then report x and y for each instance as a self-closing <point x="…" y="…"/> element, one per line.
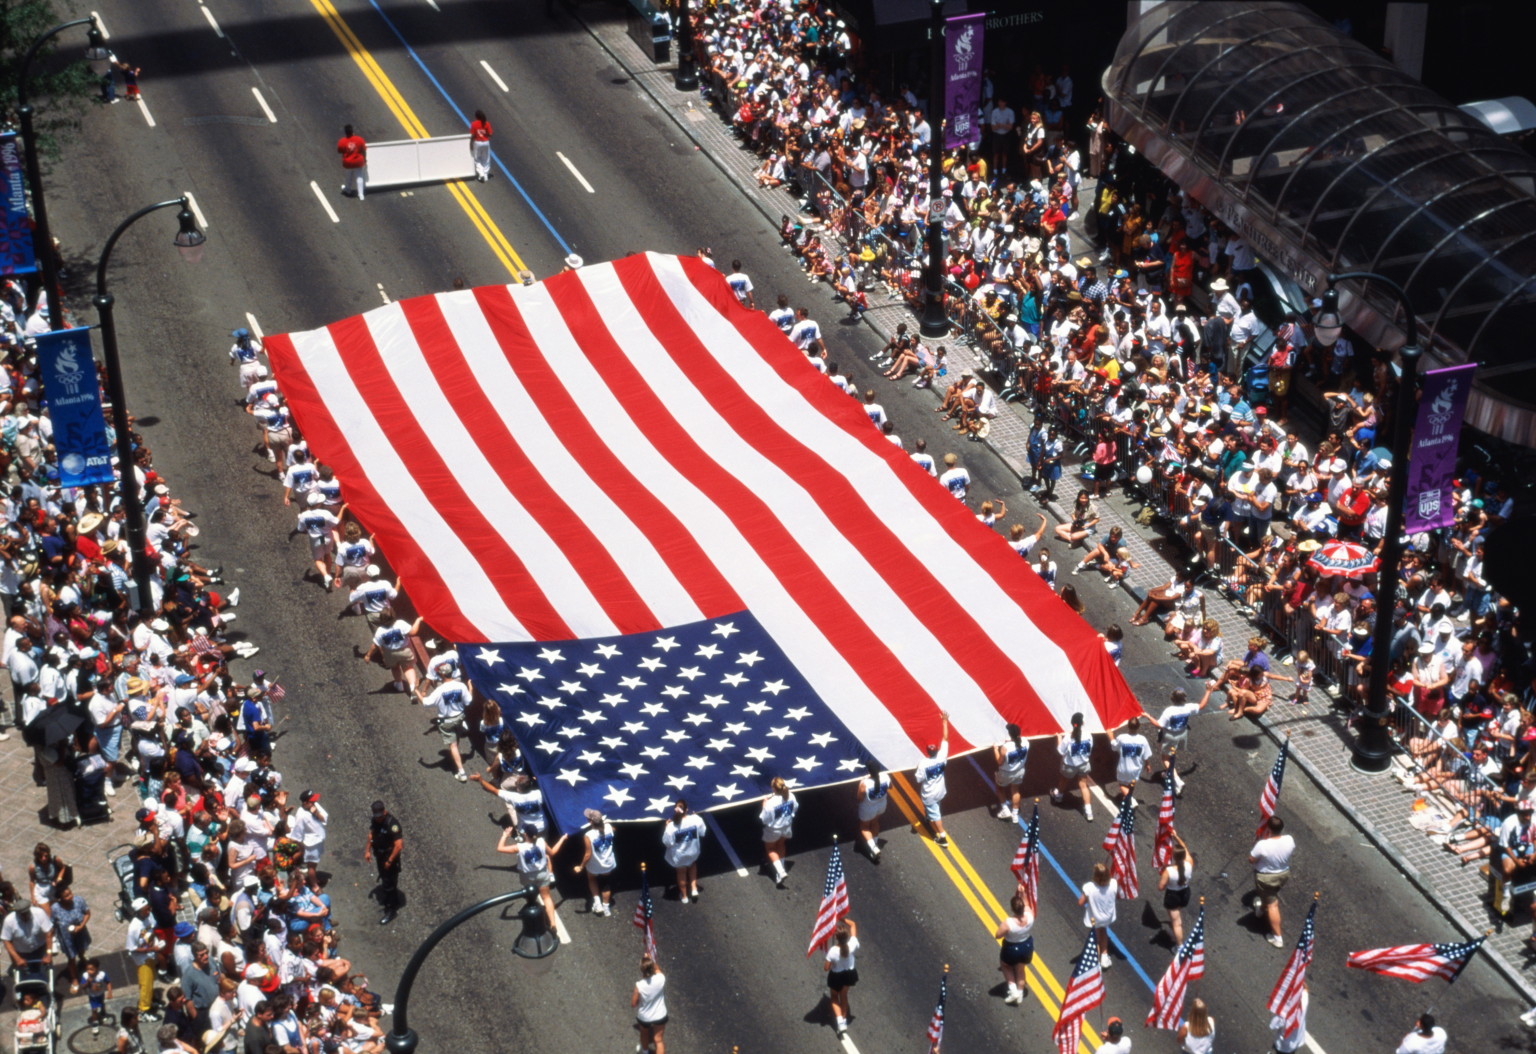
<point x="568" y="595"/>
<point x="802" y="642"/>
<point x="839" y="559"/>
<point x="380" y="462"/>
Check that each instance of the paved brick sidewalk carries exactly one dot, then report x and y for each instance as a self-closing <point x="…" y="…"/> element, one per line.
<point x="1379" y="805"/>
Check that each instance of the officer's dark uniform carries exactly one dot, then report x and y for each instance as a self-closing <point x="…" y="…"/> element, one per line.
<point x="383" y="837"/>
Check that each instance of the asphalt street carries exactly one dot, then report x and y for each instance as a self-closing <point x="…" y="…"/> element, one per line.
<point x="247" y="100"/>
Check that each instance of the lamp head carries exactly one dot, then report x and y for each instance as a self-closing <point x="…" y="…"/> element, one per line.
<point x="189" y="239"/>
<point x="1328" y="325"/>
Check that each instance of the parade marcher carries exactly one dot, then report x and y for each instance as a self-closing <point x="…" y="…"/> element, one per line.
<point x="682" y="838"/>
<point x="1018" y="947"/>
<point x="354" y="163"/>
<point x="1197" y="1035"/>
<point x="1174" y="882"/>
<point x="874" y="794"/>
<point x="1282" y="1043"/>
<point x="1133" y="755"/>
<point x="535" y="863"/>
<point x="1271" y="860"/>
<point x="384" y="846"/>
<point x="778" y="818"/>
<point x="842" y="971"/>
<point x="480" y="145"/>
<point x="929" y="773"/>
<point x="1098" y="903"/>
<point x="649" y="1003"/>
<point x="450" y="699"/>
<point x="1426" y="1038"/>
<point x="598" y="861"/>
<point x="1076" y="750"/>
<point x="1011" y="758"/>
<point x="1115" y="1039"/>
<point x="1173" y="732"/>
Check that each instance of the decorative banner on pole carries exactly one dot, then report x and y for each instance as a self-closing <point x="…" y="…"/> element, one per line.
<point x="962" y="78"/>
<point x="16" y="250"/>
<point x="1436" y="435"/>
<point x="74" y="403"/>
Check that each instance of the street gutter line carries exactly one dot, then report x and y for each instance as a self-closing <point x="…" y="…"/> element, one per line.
<point x="144" y="109"/>
<point x="579" y="177"/>
<point x="101" y="26"/>
<point x="214" y="22"/>
<point x="262" y="102"/>
<point x="492" y="74"/>
<point x="202" y="221"/>
<point x="324" y="204"/>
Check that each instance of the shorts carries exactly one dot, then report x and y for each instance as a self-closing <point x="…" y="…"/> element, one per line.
<point x="837" y="980"/>
<point x="1176" y="898"/>
<point x="399" y="657"/>
<point x="540" y="879"/>
<point x="1074" y="772"/>
<point x="1169" y="743"/>
<point x="1004" y="778"/>
<point x="1269" y="884"/>
<point x="280" y="437"/>
<point x="352" y="577"/>
<point x="320" y="548"/>
<point x="658" y="1023"/>
<point x="931" y="810"/>
<point x="870" y="808"/>
<point x="450" y="728"/>
<point x="775" y="834"/>
<point x="1018" y="953"/>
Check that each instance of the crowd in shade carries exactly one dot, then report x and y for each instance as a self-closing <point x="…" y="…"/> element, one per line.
<point x="1127" y="317"/>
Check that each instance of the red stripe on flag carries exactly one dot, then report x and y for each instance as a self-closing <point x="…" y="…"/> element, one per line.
<point x="678" y="549"/>
<point x="503" y="567"/>
<point x="774" y="542"/>
<point x="430" y="593"/>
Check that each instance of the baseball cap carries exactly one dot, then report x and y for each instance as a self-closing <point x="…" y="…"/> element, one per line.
<point x="184" y="930"/>
<point x="139" y="904"/>
<point x="251" y="882"/>
<point x="309" y="796"/>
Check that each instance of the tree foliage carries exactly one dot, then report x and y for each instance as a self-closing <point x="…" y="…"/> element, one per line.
<point x="59" y="82"/>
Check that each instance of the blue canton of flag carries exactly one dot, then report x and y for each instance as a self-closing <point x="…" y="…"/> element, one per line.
<point x="710" y="711"/>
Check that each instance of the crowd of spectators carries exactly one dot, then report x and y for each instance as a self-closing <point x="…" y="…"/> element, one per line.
<point x="129" y="698"/>
<point x="1124" y="314"/>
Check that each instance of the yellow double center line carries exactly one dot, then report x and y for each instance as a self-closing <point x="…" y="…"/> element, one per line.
<point x="986" y="906"/>
<point x="416" y="130"/>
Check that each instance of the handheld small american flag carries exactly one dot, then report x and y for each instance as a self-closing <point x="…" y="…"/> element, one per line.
<point x="1417" y="962"/>
<point x="1188" y="965"/>
<point x="1026" y="861"/>
<point x="834" y="904"/>
<point x="1120" y="843"/>
<point x="1271" y="796"/>
<point x="1162" y="842"/>
<point x="1285" y="1000"/>
<point x="1085" y="990"/>
<point x="203" y="646"/>
<point x="644" y="909"/>
<point x="936" y="1022"/>
<point x="276" y="692"/>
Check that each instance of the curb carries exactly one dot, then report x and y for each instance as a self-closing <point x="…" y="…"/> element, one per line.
<point x="1509" y="971"/>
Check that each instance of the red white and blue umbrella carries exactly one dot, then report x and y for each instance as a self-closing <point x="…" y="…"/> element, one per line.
<point x="1349" y="559"/>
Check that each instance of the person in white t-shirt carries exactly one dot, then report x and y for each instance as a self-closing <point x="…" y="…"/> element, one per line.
<point x="1427" y="1038"/>
<point x="873" y="793"/>
<point x="842" y="969"/>
<point x="1011" y="757"/>
<point x="1271" y="860"/>
<point x="1098" y="903"/>
<point x="598" y="861"/>
<point x="682" y="839"/>
<point x="1076" y="750"/>
<point x="954" y="477"/>
<point x="740" y="284"/>
<point x="922" y="458"/>
<point x="1133" y="755"/>
<point x="1173" y="731"/>
<point x="929" y="773"/>
<point x="1115" y="1039"/>
<point x="778" y="819"/>
<point x="649" y="1003"/>
<point x="450" y="699"/>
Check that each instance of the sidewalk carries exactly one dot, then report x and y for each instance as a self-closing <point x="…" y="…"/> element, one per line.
<point x="1320" y="741"/>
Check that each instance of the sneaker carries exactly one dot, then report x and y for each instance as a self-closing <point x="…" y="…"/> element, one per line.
<point x="111" y="790"/>
<point x="1275" y="940"/>
<point x="1076" y="569"/>
<point x="272" y="458"/>
<point x="1105" y="962"/>
<point x="4" y="736"/>
<point x="683" y="899"/>
<point x="779" y="880"/>
<point x="1088" y="813"/>
<point x="1005" y="814"/>
<point x="1528" y="1019"/>
<point x="148" y="1015"/>
<point x="228" y="616"/>
<point x="388" y="917"/>
<point x="943" y="840"/>
<point x="234" y="597"/>
<point x="1055" y="794"/>
<point x="461" y="776"/>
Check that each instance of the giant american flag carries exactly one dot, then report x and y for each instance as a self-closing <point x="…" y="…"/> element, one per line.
<point x="1026" y="861"/>
<point x="1418" y="962"/>
<point x="1271" y="794"/>
<point x="834" y="904"/>
<point x="1188" y="965"/>
<point x="1285" y="997"/>
<point x="1085" y="990"/>
<point x="623" y="450"/>
<point x="1120" y="844"/>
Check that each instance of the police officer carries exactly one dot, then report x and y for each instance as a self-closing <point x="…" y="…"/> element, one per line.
<point x="385" y="843"/>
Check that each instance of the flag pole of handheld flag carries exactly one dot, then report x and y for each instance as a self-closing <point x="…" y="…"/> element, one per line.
<point x="834" y="903"/>
<point x="936" y="1022"/>
<point x="1271" y="796"/>
<point x="644" y="909"/>
<point x="1026" y="860"/>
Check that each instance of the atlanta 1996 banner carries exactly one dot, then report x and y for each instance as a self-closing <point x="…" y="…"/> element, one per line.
<point x="1436" y="435"/>
<point x="962" y="79"/>
<point x="74" y="403"/>
<point x="16" y="255"/>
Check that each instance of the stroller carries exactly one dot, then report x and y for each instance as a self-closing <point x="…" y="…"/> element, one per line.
<point x="120" y="859"/>
<point x="37" y="1020"/>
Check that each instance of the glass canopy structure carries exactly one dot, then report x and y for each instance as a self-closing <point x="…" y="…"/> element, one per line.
<point x="1328" y="158"/>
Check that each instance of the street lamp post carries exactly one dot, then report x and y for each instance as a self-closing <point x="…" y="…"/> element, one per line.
<point x="686" y="78"/>
<point x="189" y="240"/>
<point x="1373" y="743"/>
<point x="42" y="237"/>
<point x="402" y="1039"/>
<point x="935" y="323"/>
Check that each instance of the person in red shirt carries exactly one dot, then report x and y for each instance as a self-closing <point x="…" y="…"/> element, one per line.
<point x="1351" y="508"/>
<point x="354" y="162"/>
<point x="480" y="145"/>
